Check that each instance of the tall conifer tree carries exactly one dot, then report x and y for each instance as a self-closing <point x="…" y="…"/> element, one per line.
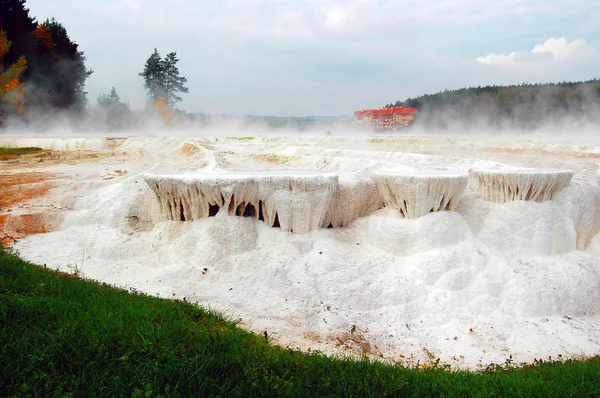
<point x="162" y="79"/>
<point x="173" y="82"/>
<point x="153" y="75"/>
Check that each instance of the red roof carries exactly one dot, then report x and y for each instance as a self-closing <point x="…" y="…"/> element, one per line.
<point x="383" y="112"/>
<point x="405" y="111"/>
<point x="399" y="110"/>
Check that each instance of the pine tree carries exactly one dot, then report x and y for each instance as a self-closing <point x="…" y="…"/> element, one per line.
<point x="162" y="80"/>
<point x="107" y="100"/>
<point x="116" y="112"/>
<point x="58" y="71"/>
<point x="153" y="75"/>
<point x="71" y="68"/>
<point x="113" y="96"/>
<point x="173" y="83"/>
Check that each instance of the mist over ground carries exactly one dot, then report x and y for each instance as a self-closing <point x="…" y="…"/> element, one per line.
<point x="568" y="129"/>
<point x="563" y="111"/>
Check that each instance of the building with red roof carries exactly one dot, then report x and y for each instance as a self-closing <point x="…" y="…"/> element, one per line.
<point x="386" y="118"/>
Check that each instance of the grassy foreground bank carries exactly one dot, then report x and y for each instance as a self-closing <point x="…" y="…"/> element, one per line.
<point x="65" y="336"/>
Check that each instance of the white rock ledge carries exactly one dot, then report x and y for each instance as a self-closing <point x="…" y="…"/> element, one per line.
<point x="294" y="201"/>
<point x="506" y="185"/>
<point x="418" y="192"/>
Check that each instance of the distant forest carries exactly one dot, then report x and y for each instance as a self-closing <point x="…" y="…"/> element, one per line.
<point x="522" y="106"/>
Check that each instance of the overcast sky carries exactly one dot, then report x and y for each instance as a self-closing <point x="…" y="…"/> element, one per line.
<point x="328" y="57"/>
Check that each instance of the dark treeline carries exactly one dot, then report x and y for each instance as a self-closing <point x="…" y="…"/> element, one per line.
<point x="43" y="76"/>
<point x="41" y="68"/>
<point x="522" y="106"/>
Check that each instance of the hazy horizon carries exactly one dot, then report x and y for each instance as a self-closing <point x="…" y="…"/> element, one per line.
<point x="302" y="58"/>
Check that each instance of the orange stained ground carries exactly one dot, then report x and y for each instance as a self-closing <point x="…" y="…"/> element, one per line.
<point x="22" y="187"/>
<point x="20" y="225"/>
<point x="16" y="188"/>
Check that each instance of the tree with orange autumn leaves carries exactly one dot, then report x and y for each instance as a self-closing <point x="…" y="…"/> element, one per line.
<point x="58" y="72"/>
<point x="44" y="38"/>
<point x="162" y="108"/>
<point x="12" y="89"/>
<point x="42" y="69"/>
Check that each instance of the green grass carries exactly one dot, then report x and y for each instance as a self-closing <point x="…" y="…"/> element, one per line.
<point x="19" y="151"/>
<point x="65" y="336"/>
<point x="9" y="153"/>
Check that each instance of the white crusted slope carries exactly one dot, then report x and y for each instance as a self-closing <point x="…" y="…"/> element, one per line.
<point x="296" y="202"/>
<point x="416" y="193"/>
<point x="584" y="197"/>
<point x="351" y="200"/>
<point x="506" y="185"/>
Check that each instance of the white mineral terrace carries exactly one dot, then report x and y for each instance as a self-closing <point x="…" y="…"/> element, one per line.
<point x="295" y="201"/>
<point x="512" y="272"/>
<point x="507" y="185"/>
<point x="416" y="193"/>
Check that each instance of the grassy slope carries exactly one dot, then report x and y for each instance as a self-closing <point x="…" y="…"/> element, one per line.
<point x="63" y="335"/>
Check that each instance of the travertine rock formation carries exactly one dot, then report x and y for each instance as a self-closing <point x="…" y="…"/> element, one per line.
<point x="295" y="202"/>
<point x="506" y="185"/>
<point x="352" y="200"/>
<point x="416" y="193"/>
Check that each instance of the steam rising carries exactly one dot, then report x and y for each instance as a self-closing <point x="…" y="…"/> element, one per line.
<point x="576" y="121"/>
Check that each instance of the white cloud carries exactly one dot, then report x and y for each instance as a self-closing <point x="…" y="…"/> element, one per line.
<point x="551" y="60"/>
<point x="313" y="20"/>
<point x="551" y="51"/>
<point x="306" y="20"/>
<point x="562" y="49"/>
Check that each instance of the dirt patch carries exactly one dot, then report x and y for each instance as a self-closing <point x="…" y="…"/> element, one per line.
<point x="312" y="336"/>
<point x="248" y="138"/>
<point x="354" y="342"/>
<point x="189" y="149"/>
<point x="113" y="143"/>
<point x="46" y="157"/>
<point x="542" y="153"/>
<point x="113" y="174"/>
<point x="275" y="159"/>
